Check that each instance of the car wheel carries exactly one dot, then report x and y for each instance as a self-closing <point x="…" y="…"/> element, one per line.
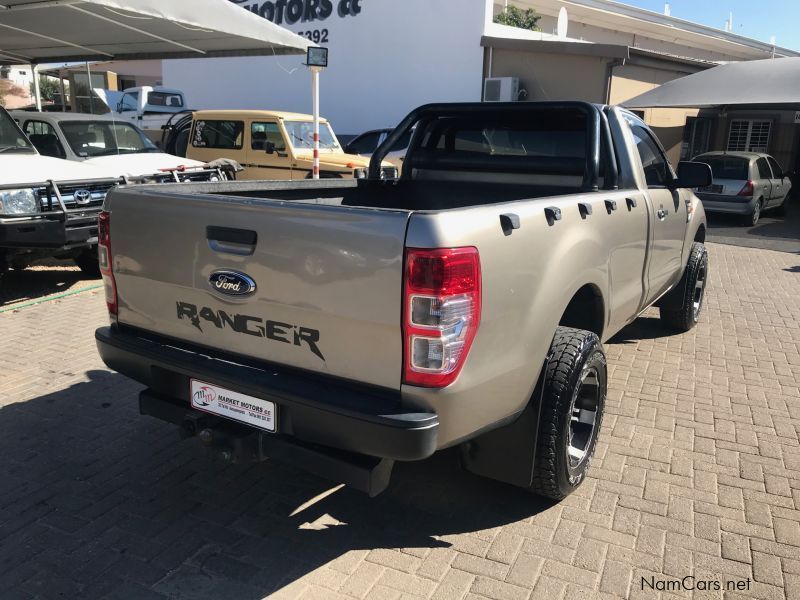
<point x="88" y="263"/>
<point x="755" y="214"/>
<point x="693" y="288"/>
<point x="573" y="398"/>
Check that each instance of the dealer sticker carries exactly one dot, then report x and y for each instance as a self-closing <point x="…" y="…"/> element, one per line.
<point x="233" y="405"/>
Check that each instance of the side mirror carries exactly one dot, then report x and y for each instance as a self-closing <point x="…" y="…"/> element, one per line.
<point x="693" y="175"/>
<point x="269" y="147"/>
<point x="788" y="174"/>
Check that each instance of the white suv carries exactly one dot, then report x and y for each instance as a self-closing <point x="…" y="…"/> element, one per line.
<point x="48" y="206"/>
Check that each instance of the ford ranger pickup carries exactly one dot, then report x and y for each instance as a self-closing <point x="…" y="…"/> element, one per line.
<point x="345" y="325"/>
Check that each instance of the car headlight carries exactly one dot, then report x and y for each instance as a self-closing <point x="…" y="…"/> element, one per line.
<point x="17" y="202"/>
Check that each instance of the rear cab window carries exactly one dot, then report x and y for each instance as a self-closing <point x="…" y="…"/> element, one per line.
<point x="221" y="134"/>
<point x="165" y="99"/>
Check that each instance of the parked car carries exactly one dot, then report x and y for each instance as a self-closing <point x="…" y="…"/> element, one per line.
<point x="48" y="206"/>
<point x="366" y="144"/>
<point x="149" y="107"/>
<point x="344" y="325"/>
<point x="118" y="147"/>
<point x="745" y="183"/>
<point x="269" y="144"/>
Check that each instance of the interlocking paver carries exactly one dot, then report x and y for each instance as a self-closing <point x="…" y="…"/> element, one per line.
<point x="697" y="472"/>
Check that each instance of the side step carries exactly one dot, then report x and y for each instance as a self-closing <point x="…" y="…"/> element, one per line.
<point x="239" y="444"/>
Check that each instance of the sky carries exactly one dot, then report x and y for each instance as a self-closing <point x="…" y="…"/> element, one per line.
<point x="755" y="19"/>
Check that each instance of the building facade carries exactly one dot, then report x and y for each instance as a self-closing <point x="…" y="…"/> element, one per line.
<point x="386" y="57"/>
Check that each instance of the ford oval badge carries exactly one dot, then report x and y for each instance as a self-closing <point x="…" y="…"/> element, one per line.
<point x="232" y="283"/>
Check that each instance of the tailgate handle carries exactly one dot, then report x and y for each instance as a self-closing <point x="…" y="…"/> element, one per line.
<point x="231" y="240"/>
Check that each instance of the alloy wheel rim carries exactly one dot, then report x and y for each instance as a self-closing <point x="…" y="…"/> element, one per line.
<point x="756" y="213"/>
<point x="583" y="416"/>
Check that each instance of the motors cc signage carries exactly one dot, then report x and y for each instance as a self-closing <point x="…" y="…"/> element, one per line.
<point x="291" y="12"/>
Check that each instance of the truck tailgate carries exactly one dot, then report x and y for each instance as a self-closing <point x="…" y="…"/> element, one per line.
<point x="328" y="278"/>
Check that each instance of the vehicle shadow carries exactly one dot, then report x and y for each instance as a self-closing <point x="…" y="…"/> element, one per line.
<point x="44" y="278"/>
<point x="643" y="328"/>
<point x="97" y="500"/>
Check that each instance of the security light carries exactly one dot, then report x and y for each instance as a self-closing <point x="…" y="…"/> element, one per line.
<point x="317" y="56"/>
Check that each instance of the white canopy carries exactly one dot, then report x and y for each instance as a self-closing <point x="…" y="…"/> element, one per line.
<point x="769" y="81"/>
<point x="42" y="31"/>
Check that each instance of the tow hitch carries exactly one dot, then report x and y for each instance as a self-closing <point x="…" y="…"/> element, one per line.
<point x="238" y="444"/>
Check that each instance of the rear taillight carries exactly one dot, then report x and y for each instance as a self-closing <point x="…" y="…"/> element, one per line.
<point x="442" y="311"/>
<point x="748" y="189"/>
<point x="104" y="256"/>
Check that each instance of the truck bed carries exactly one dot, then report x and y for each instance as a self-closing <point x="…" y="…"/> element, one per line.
<point x="400" y="195"/>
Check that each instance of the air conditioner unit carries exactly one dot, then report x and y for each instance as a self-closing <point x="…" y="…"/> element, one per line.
<point x="501" y="89"/>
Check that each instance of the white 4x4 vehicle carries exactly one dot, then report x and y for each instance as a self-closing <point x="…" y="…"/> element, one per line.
<point x="48" y="206"/>
<point x="117" y="146"/>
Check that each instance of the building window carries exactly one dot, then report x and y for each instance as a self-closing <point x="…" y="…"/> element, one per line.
<point x="749" y="135"/>
<point x="696" y="137"/>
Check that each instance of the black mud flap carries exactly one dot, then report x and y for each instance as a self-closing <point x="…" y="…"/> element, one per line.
<point x="508" y="453"/>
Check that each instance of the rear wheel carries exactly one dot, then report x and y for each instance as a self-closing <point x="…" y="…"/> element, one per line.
<point x="755" y="214"/>
<point x="573" y="398"/>
<point x="88" y="262"/>
<point x="692" y="289"/>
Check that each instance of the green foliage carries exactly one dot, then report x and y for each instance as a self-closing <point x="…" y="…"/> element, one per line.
<point x="48" y="87"/>
<point x="515" y="17"/>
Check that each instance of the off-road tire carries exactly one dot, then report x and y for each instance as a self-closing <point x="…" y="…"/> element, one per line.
<point x="88" y="263"/>
<point x="573" y="351"/>
<point x="686" y="317"/>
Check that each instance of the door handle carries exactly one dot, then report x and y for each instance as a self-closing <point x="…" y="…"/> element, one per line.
<point x="662" y="214"/>
<point x="231" y="241"/>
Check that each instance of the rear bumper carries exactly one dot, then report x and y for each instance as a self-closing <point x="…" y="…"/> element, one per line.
<point x="737" y="205"/>
<point x="311" y="409"/>
<point x="56" y="231"/>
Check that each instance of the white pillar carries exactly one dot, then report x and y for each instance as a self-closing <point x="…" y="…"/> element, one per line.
<point x="36" y="91"/>
<point x="315" y="110"/>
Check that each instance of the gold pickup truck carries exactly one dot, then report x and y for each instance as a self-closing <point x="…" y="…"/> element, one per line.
<point x="273" y="145"/>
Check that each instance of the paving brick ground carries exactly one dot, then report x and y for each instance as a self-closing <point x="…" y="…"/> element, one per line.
<point x="697" y="473"/>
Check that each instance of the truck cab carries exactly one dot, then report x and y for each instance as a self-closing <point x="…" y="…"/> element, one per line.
<point x="147" y="99"/>
<point x="273" y="145"/>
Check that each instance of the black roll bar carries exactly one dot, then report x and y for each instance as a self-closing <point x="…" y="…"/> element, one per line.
<point x="598" y="135"/>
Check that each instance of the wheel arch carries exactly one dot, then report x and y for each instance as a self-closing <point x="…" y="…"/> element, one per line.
<point x="585" y="310"/>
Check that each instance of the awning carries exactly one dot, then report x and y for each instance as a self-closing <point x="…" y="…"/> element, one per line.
<point x="46" y="31"/>
<point x="770" y="81"/>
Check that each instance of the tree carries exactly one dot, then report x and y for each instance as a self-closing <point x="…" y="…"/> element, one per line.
<point x="48" y="87"/>
<point x="515" y="17"/>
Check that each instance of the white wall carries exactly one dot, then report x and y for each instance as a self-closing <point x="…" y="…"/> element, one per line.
<point x="389" y="58"/>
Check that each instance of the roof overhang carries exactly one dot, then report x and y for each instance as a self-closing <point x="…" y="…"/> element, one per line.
<point x="47" y="31"/>
<point x="556" y="47"/>
<point x="758" y="82"/>
<point x="616" y="16"/>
